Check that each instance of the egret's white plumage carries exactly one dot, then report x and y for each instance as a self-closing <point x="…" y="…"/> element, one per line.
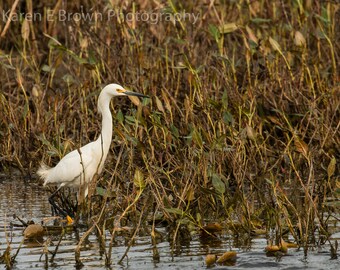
<point x="79" y="166"/>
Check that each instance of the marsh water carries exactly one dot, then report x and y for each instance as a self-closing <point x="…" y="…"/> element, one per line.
<point x="29" y="201"/>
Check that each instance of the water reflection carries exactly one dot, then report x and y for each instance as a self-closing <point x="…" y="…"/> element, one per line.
<point x="30" y="201"/>
<point x="25" y="199"/>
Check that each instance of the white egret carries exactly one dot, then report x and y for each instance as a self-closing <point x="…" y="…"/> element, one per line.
<point x="78" y="167"/>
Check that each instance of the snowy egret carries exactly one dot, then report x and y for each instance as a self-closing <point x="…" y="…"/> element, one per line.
<point x="78" y="167"/>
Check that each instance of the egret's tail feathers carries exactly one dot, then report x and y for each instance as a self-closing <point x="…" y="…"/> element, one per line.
<point x="43" y="172"/>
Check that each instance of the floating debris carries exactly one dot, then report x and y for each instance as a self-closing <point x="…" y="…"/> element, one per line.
<point x="274" y="250"/>
<point x="228" y="257"/>
<point x="210" y="259"/>
<point x="34" y="231"/>
<point x="211" y="229"/>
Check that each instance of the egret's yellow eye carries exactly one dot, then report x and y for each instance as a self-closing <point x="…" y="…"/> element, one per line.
<point x="120" y="90"/>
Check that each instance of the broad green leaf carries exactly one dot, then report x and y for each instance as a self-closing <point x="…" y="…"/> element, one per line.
<point x="101" y="191"/>
<point x="214" y="31"/>
<point x="228" y="28"/>
<point x="227" y="117"/>
<point x="120" y="116"/>
<point x="146" y="101"/>
<point x="218" y="183"/>
<point x="130" y="119"/>
<point x="92" y="58"/>
<point x="174" y="131"/>
<point x="138" y="179"/>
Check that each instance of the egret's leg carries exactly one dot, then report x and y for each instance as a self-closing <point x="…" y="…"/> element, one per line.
<point x="68" y="204"/>
<point x="52" y="202"/>
<point x="56" y="210"/>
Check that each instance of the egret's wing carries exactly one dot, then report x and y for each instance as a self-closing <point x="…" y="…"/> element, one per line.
<point x="72" y="166"/>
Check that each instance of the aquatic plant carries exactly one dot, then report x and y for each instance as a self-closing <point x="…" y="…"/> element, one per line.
<point x="242" y="127"/>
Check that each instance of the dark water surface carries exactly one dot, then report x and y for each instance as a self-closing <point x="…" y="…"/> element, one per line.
<point x="29" y="201"/>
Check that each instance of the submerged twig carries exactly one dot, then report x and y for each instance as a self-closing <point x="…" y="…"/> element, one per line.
<point x="132" y="237"/>
<point x="58" y="244"/>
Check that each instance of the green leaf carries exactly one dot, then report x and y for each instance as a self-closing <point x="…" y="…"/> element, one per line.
<point x="92" y="58"/>
<point x="130" y="119"/>
<point x="331" y="167"/>
<point x="179" y="41"/>
<point x="332" y="204"/>
<point x="120" y="117"/>
<point x="146" y="101"/>
<point x="260" y="20"/>
<point x="52" y="150"/>
<point x="174" y="131"/>
<point x="213" y="30"/>
<point x="225" y="99"/>
<point x="101" y="191"/>
<point x="132" y="139"/>
<point x="68" y="78"/>
<point x="26" y="110"/>
<point x="174" y="211"/>
<point x="80" y="60"/>
<point x="156" y="117"/>
<point x="46" y="68"/>
<point x="53" y="43"/>
<point x="183" y="221"/>
<point x="227" y="117"/>
<point x="138" y="179"/>
<point x="218" y="183"/>
<point x="228" y="28"/>
<point x="197" y="137"/>
<point x="198" y="218"/>
<point x="5" y="65"/>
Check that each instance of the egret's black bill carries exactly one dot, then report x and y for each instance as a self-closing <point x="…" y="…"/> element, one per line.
<point x="130" y="93"/>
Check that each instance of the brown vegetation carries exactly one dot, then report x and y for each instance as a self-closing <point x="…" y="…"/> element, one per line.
<point x="243" y="121"/>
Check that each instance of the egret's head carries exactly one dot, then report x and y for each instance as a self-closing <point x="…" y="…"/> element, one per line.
<point x="118" y="90"/>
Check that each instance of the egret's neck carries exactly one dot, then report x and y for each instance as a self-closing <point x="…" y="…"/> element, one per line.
<point x="105" y="136"/>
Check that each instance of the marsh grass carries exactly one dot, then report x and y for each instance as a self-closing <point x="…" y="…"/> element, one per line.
<point x="242" y="126"/>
